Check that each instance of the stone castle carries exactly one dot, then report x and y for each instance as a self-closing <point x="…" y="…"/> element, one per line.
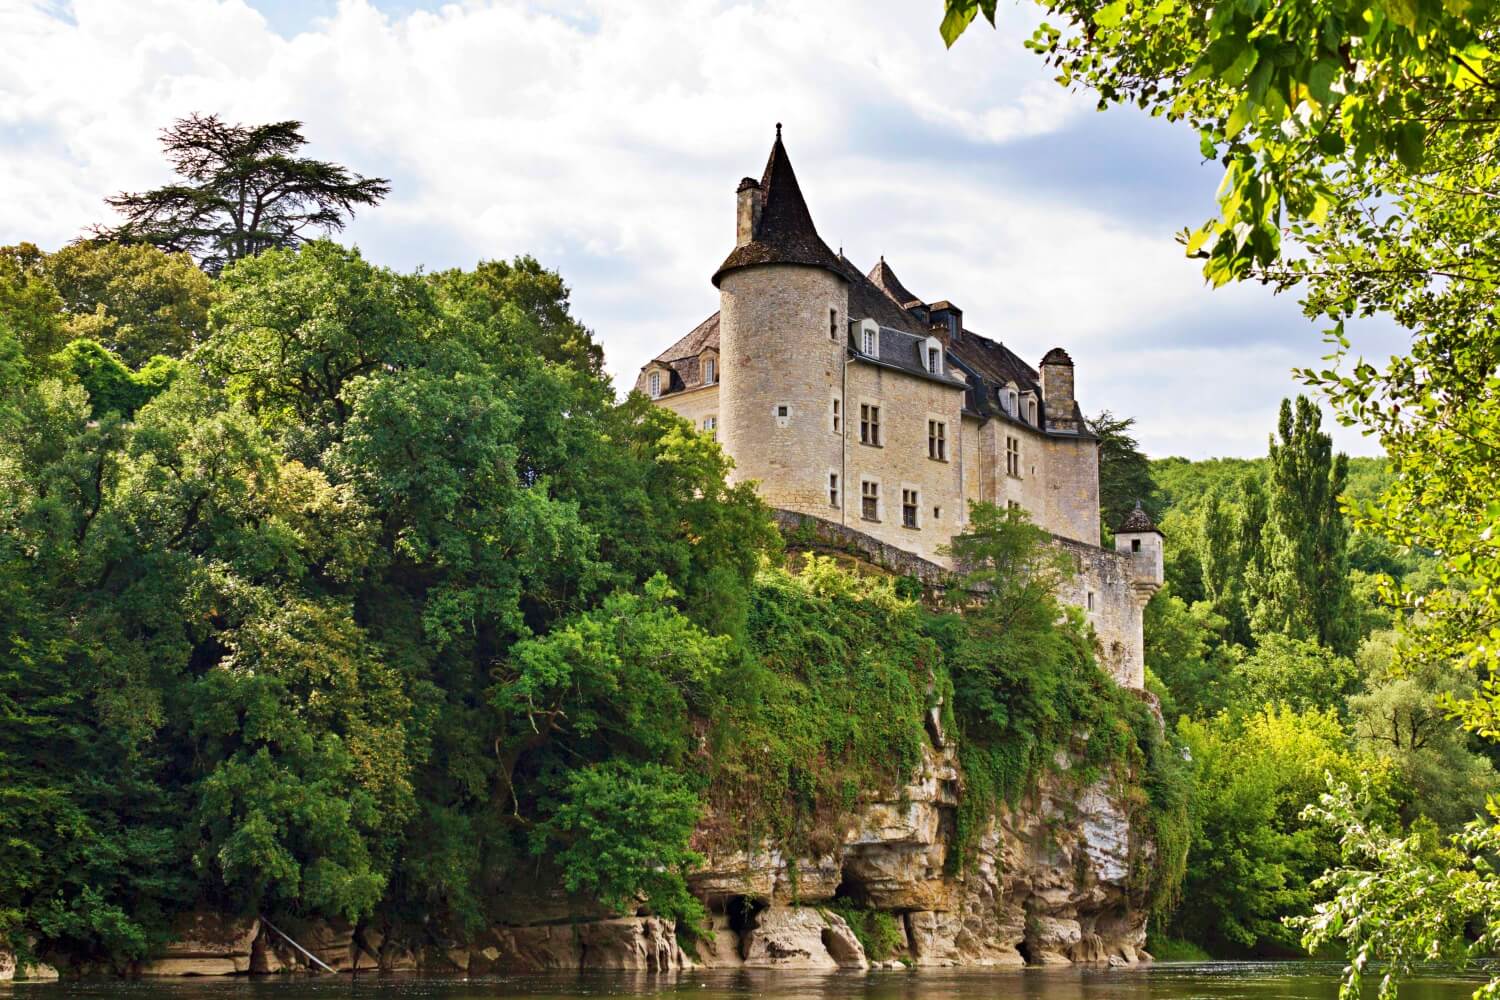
<point x="851" y="400"/>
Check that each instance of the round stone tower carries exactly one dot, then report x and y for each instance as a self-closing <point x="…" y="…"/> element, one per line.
<point x="783" y="302"/>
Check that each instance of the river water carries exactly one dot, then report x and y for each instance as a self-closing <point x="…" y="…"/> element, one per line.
<point x="1216" y="981"/>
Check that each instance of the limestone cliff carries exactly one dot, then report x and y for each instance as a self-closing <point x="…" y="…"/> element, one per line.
<point x="1048" y="882"/>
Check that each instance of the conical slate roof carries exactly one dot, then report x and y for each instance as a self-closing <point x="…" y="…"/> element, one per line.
<point x="1137" y="522"/>
<point x="785" y="233"/>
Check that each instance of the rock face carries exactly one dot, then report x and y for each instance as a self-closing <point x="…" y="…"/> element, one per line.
<point x="1046" y="884"/>
<point x="799" y="937"/>
<point x="206" y="944"/>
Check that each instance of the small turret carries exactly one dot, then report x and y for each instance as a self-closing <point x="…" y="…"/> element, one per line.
<point x="1142" y="541"/>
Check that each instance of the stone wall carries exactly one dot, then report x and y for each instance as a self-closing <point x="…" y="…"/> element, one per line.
<point x="901" y="460"/>
<point x="776" y="352"/>
<point x="1105" y="580"/>
<point x="694" y="404"/>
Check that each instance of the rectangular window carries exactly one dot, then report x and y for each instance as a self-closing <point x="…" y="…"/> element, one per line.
<point x="654" y="381"/>
<point x="869" y="424"/>
<point x="1135" y="545"/>
<point x="1091" y="600"/>
<point x="838" y="417"/>
<point x="937" y="440"/>
<point x="709" y="371"/>
<point x="870" y="345"/>
<point x="934" y="361"/>
<point x="869" y="500"/>
<point x="783" y="411"/>
<point x="833" y="324"/>
<point x="937" y="513"/>
<point x="1012" y="457"/>
<point x="909" y="508"/>
<point x="833" y="489"/>
<point x="711" y="424"/>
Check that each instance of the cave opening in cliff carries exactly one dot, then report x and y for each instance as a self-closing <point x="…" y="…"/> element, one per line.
<point x="741" y="912"/>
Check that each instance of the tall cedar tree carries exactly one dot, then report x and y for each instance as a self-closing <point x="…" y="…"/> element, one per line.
<point x="1303" y="588"/>
<point x="244" y="191"/>
<point x="1124" y="471"/>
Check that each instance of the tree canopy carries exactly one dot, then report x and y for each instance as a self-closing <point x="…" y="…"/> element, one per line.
<point x="243" y="190"/>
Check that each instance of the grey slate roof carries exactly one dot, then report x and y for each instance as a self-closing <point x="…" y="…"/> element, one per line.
<point x="1137" y="522"/>
<point x="682" y="357"/>
<point x="785" y="233"/>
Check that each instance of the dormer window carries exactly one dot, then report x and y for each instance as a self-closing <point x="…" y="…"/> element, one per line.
<point x="1010" y="400"/>
<point x="1031" y="410"/>
<point x="934" y="356"/>
<point x="870" y="341"/>
<point x="710" y="371"/>
<point x="653" y="382"/>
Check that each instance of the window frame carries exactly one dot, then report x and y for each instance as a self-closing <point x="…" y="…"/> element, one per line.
<point x="869" y="500"/>
<point x="869" y="424"/>
<point x="653" y="384"/>
<point x="911" y="507"/>
<point x="835" y="494"/>
<point x="937" y="439"/>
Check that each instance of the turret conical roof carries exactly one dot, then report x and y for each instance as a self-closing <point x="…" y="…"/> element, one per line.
<point x="1137" y="522"/>
<point x="785" y="233"/>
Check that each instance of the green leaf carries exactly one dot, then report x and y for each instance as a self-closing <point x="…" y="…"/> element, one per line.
<point x="1110" y="14"/>
<point x="956" y="18"/>
<point x="1410" y="145"/>
<point x="1320" y="80"/>
<point x="1238" y="118"/>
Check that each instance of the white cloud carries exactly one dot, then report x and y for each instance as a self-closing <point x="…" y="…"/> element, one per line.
<point x="607" y="137"/>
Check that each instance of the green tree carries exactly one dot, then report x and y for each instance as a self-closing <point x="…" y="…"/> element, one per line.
<point x="243" y="190"/>
<point x="1253" y="858"/>
<point x="29" y="303"/>
<point x="1302" y="590"/>
<point x="135" y="300"/>
<point x="1297" y="672"/>
<point x="1187" y="651"/>
<point x="1124" y="471"/>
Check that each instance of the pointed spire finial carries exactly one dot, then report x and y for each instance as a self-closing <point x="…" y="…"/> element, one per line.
<point x="778" y="131"/>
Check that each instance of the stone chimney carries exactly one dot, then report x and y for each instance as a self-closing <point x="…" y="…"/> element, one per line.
<point x="748" y="202"/>
<point x="1057" y="391"/>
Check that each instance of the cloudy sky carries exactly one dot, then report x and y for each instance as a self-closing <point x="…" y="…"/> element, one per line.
<point x="606" y="137"/>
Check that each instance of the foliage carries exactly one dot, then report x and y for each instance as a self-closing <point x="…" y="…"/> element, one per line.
<point x="1302" y="589"/>
<point x="879" y="932"/>
<point x="1186" y="651"/>
<point x="1370" y="911"/>
<point x="112" y="387"/>
<point x="1297" y="672"/>
<point x="1252" y="858"/>
<point x="29" y="304"/>
<point x="1124" y="471"/>
<point x="1363" y="133"/>
<point x="830" y="703"/>
<point x="1401" y="718"/>
<point x="243" y="190"/>
<point x="134" y="300"/>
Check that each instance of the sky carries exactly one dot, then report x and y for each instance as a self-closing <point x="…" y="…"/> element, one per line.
<point x="606" y="138"/>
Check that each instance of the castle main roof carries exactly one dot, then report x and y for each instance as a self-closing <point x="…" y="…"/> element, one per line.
<point x="785" y="233"/>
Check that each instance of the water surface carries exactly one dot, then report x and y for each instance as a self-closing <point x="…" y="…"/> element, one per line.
<point x="1216" y="981"/>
